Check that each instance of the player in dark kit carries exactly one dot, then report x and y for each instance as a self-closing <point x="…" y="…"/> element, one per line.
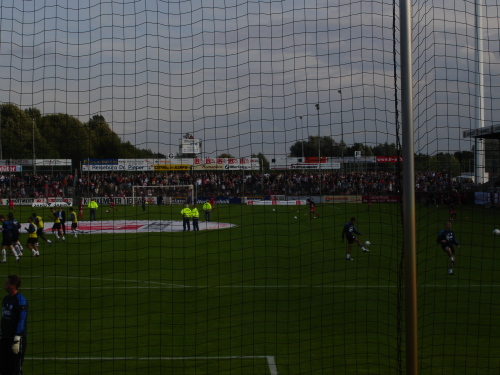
<point x="446" y="238"/>
<point x="13" y="328"/>
<point x="7" y="228"/>
<point x="348" y="232"/>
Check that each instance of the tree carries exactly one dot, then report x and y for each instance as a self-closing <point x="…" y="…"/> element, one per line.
<point x="465" y="159"/>
<point x="263" y="162"/>
<point x="327" y="147"/>
<point x="225" y="156"/>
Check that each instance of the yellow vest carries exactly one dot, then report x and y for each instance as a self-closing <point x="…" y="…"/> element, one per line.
<point x="207" y="206"/>
<point x="40" y="221"/>
<point x="56" y="217"/>
<point x="195" y="213"/>
<point x="32" y="231"/>
<point x="186" y="212"/>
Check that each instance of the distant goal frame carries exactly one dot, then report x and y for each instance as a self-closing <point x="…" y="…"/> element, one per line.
<point x="163" y="187"/>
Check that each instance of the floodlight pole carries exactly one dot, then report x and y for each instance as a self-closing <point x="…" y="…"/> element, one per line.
<point x="341" y="133"/>
<point x="409" y="227"/>
<point x="34" y="157"/>
<point x="479" y="167"/>
<point x="319" y="152"/>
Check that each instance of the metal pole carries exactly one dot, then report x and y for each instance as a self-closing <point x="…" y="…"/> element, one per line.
<point x="302" y="128"/>
<point x="319" y="153"/>
<point x="34" y="157"/>
<point x="410" y="253"/>
<point x="1" y="109"/>
<point x="479" y="170"/>
<point x="341" y="133"/>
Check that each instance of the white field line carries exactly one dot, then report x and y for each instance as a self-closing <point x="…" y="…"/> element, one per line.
<point x="163" y="285"/>
<point x="167" y="286"/>
<point x="271" y="363"/>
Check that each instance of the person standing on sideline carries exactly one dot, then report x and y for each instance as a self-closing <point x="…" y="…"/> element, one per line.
<point x="186" y="215"/>
<point x="93" y="209"/>
<point x="7" y="239"/>
<point x="312" y="208"/>
<point x="195" y="214"/>
<point x="212" y="202"/>
<point x="207" y="207"/>
<point x="62" y="219"/>
<point x="13" y="329"/>
<point x="32" y="238"/>
<point x="348" y="232"/>
<point x="38" y="221"/>
<point x="143" y="201"/>
<point x="446" y="238"/>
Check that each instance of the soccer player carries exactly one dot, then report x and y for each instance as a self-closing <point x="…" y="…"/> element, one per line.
<point x="38" y="221"/>
<point x="112" y="204"/>
<point x="56" y="228"/>
<point x="32" y="237"/>
<point x="348" y="232"/>
<point x="15" y="234"/>
<point x="11" y="205"/>
<point x="74" y="222"/>
<point x="446" y="238"/>
<point x="80" y="209"/>
<point x="453" y="212"/>
<point x="13" y="329"/>
<point x="312" y="208"/>
<point x="7" y="239"/>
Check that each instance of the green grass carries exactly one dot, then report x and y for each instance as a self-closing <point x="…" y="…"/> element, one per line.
<point x="226" y="301"/>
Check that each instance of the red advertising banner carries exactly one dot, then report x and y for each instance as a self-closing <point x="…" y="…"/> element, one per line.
<point x="314" y="159"/>
<point x="389" y="159"/>
<point x="381" y="199"/>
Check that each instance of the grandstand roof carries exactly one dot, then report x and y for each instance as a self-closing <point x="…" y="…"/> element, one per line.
<point x="491" y="132"/>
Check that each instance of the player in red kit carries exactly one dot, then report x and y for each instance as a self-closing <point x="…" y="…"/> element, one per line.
<point x="80" y="209"/>
<point x="312" y="208"/>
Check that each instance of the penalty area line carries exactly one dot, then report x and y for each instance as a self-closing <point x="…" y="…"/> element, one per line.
<point x="173" y="286"/>
<point x="271" y="362"/>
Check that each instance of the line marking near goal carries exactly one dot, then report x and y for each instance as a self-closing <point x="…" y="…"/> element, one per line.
<point x="271" y="363"/>
<point x="164" y="285"/>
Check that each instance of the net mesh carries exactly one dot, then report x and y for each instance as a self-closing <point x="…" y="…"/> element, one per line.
<point x="278" y="102"/>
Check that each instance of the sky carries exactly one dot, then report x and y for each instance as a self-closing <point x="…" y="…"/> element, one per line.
<point x="240" y="74"/>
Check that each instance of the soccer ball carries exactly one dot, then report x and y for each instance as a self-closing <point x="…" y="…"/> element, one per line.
<point x="496" y="232"/>
<point x="107" y="211"/>
<point x="367" y="243"/>
<point x="295" y="217"/>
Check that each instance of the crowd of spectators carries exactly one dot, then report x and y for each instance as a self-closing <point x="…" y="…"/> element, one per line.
<point x="432" y="185"/>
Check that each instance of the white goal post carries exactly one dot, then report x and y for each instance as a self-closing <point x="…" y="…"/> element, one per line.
<point x="167" y="192"/>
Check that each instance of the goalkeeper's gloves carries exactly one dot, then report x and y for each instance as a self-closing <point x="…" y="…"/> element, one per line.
<point x="16" y="346"/>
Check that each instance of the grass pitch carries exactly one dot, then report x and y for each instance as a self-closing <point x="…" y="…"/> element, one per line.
<point x="273" y="295"/>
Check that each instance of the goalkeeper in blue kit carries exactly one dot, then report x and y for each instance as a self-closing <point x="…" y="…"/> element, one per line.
<point x="446" y="238"/>
<point x="13" y="328"/>
<point x="348" y="232"/>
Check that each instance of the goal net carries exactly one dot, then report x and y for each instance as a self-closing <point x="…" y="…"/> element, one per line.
<point x="263" y="100"/>
<point x="160" y="195"/>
